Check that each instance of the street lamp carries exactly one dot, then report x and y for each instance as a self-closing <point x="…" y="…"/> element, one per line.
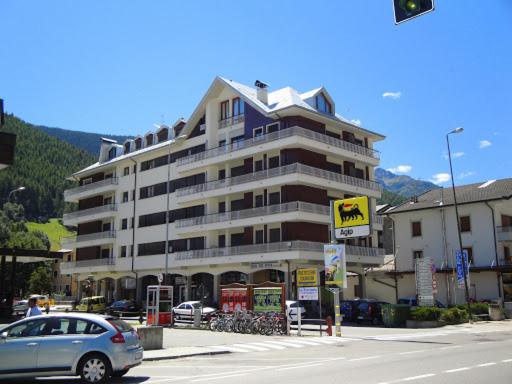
<point x="466" y="288"/>
<point x="19" y="189"/>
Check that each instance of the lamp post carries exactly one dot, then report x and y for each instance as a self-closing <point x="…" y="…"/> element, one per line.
<point x="466" y="288"/>
<point x="19" y="189"/>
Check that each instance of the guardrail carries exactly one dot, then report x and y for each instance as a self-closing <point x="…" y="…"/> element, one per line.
<point x="90" y="186"/>
<point x="269" y="137"/>
<point x="90" y="236"/>
<point x="231" y="121"/>
<point x="279" y="171"/>
<point x="88" y="263"/>
<point x="90" y="211"/>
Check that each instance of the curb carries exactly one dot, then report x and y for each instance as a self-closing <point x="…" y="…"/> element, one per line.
<point x="187" y="355"/>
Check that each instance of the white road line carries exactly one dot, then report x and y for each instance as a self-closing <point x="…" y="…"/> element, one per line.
<point x="306" y="342"/>
<point x="228" y="348"/>
<point x="419" y="377"/>
<point x="266" y="345"/>
<point x="451" y="347"/>
<point x="486" y="364"/>
<point x="219" y="377"/>
<point x="300" y="366"/>
<point x="253" y="347"/>
<point x="507" y="361"/>
<point x="365" y="358"/>
<point x="286" y="344"/>
<point x="457" y="370"/>
<point x="326" y="341"/>
<point x="411" y="352"/>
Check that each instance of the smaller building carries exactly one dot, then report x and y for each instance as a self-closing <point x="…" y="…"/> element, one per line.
<point x="426" y="226"/>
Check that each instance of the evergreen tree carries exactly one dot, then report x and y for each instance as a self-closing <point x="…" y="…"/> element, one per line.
<point x="40" y="281"/>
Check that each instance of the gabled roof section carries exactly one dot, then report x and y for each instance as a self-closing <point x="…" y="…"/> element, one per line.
<point x="471" y="193"/>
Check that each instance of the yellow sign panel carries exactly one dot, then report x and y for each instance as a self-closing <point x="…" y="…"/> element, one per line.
<point x="306" y="277"/>
<point x="352" y="217"/>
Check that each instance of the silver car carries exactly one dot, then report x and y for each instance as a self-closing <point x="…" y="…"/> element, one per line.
<point x="94" y="347"/>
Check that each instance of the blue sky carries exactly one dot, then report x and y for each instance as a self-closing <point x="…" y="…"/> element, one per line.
<point x="117" y="67"/>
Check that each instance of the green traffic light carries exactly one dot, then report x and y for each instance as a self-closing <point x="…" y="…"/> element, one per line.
<point x="412" y="6"/>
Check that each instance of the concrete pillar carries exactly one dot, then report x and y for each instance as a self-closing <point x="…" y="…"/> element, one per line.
<point x="216" y="288"/>
<point x="287" y="283"/>
<point x="250" y="278"/>
<point x="188" y="288"/>
<point x="139" y="297"/>
<point x="362" y="284"/>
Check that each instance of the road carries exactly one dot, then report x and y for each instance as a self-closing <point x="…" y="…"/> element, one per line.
<point x="431" y="357"/>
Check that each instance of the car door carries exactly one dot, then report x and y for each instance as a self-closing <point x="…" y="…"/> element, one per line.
<point x="20" y="347"/>
<point x="63" y="340"/>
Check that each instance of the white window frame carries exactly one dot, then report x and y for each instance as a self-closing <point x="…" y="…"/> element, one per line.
<point x="261" y="129"/>
<point x="272" y="124"/>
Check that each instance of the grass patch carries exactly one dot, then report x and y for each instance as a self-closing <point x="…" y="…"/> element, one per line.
<point x="53" y="229"/>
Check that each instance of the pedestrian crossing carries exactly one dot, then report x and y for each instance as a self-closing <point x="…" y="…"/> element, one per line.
<point x="279" y="344"/>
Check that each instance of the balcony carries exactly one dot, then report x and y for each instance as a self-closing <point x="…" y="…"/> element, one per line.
<point x="314" y="250"/>
<point x="233" y="120"/>
<point x="71" y="266"/>
<point x="89" y="240"/>
<point x="250" y="182"/>
<point x="368" y="153"/>
<point x="90" y="214"/>
<point x="99" y="187"/>
<point x="504" y="233"/>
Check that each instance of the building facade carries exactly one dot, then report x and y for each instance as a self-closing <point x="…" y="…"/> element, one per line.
<point x="246" y="183"/>
<point x="426" y="226"/>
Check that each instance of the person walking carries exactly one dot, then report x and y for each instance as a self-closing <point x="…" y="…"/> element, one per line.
<point x="33" y="309"/>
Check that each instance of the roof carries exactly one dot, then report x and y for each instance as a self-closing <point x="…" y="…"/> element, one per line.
<point x="471" y="193"/>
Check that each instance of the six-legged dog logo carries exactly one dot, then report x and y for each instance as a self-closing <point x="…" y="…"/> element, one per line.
<point x="352" y="213"/>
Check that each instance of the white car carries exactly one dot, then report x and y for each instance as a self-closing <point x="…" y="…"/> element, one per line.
<point x="186" y="310"/>
<point x="291" y="310"/>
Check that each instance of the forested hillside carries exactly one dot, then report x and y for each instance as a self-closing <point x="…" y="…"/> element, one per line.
<point x="41" y="165"/>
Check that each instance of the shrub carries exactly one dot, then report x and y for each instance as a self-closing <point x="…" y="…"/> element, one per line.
<point x="476" y="308"/>
<point x="454" y="315"/>
<point x="425" y="314"/>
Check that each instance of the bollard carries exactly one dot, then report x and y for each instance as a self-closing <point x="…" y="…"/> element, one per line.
<point x="329" y="325"/>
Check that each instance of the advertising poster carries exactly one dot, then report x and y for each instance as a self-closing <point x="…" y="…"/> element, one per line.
<point x="335" y="265"/>
<point x="308" y="293"/>
<point x="268" y="299"/>
<point x="351" y="217"/>
<point x="460" y="271"/>
<point x="306" y="277"/>
<point x="233" y="300"/>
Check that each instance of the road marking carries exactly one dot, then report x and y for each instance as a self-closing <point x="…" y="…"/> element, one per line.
<point x="507" y="361"/>
<point x="253" y="347"/>
<point x="228" y="348"/>
<point x="365" y="358"/>
<point x="286" y="344"/>
<point x="451" y="347"/>
<point x="304" y="342"/>
<point x="486" y="364"/>
<point x="411" y="352"/>
<point x="457" y="370"/>
<point x="219" y="377"/>
<point x="300" y="366"/>
<point x="419" y="377"/>
<point x="266" y="345"/>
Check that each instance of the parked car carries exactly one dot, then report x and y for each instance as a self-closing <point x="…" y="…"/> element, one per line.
<point x="369" y="311"/>
<point x="413" y="302"/>
<point x="123" y="307"/>
<point x="186" y="309"/>
<point x="348" y="309"/>
<point x="95" y="304"/>
<point x="291" y="309"/>
<point x="93" y="347"/>
<point x="20" y="309"/>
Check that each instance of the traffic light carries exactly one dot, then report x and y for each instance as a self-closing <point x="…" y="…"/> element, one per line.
<point x="408" y="9"/>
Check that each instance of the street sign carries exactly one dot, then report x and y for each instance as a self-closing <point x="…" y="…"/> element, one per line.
<point x="424" y="288"/>
<point x="460" y="271"/>
<point x="351" y="217"/>
<point x="335" y="265"/>
<point x="306" y="277"/>
<point x="160" y="277"/>
<point x="308" y="293"/>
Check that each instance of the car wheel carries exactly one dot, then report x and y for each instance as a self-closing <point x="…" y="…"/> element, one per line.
<point x="120" y="373"/>
<point x="94" y="368"/>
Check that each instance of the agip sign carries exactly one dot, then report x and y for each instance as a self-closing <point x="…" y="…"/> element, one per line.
<point x="352" y="217"/>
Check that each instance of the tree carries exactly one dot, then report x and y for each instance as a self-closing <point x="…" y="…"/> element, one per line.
<point x="40" y="280"/>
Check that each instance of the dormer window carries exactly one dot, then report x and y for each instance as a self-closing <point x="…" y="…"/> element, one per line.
<point x="149" y="140"/>
<point x="127" y="147"/>
<point x="138" y="143"/>
<point x="112" y="153"/>
<point x="238" y="107"/>
<point x="224" y="110"/>
<point x="322" y="104"/>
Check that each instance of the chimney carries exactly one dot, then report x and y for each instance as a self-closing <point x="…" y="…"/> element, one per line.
<point x="262" y="91"/>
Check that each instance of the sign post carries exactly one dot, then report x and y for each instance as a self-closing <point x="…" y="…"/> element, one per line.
<point x="307" y="289"/>
<point x="424" y="287"/>
<point x="336" y="277"/>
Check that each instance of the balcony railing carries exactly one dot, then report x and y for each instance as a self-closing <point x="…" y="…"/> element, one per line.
<point x="88" y="263"/>
<point x="504" y="233"/>
<point x="254" y="212"/>
<point x="231" y="121"/>
<point x="90" y="186"/>
<point x="293" y="131"/>
<point x="284" y="246"/>
<point x="90" y="211"/>
<point x="279" y="171"/>
<point x="90" y="237"/>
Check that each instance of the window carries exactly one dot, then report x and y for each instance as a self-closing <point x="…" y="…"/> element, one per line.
<point x="416" y="228"/>
<point x="470" y="254"/>
<point x="222" y="207"/>
<point x="417" y="254"/>
<point x="122" y="253"/>
<point x="322" y="105"/>
<point x="124" y="224"/>
<point x="258" y="201"/>
<point x="222" y="143"/>
<point x="258" y="132"/>
<point x="222" y="241"/>
<point x="238" y="106"/>
<point x="133" y="195"/>
<point x="259" y="237"/>
<point x="465" y="224"/>
<point x="506" y="253"/>
<point x="258" y="166"/>
<point x="26" y="329"/>
<point x="87" y="181"/>
<point x="274" y="235"/>
<point x="152" y="219"/>
<point x="155" y="248"/>
<point x="222" y="174"/>
<point x="273" y="162"/>
<point x="224" y="110"/>
<point x="153" y="190"/>
<point x="237" y="239"/>
<point x="274" y="198"/>
<point x="112" y="153"/>
<point x="125" y="197"/>
<point x="272" y="127"/>
<point x="126" y="171"/>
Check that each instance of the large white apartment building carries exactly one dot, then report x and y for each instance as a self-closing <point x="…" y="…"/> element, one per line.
<point x="426" y="226"/>
<point x="246" y="181"/>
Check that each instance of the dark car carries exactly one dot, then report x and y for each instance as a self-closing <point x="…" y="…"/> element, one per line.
<point x="369" y="311"/>
<point x="122" y="307"/>
<point x="348" y="309"/>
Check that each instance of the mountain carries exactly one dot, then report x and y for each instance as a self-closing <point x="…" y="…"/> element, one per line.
<point x="41" y="165"/>
<point x="402" y="185"/>
<point x="89" y="142"/>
